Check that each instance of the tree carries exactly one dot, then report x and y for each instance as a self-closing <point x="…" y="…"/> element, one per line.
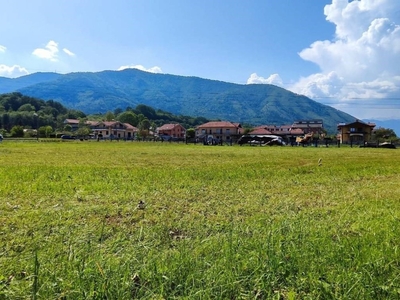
<point x="190" y="133"/>
<point x="144" y="127"/>
<point x="68" y="128"/>
<point x="383" y="134"/>
<point x="17" y="131"/>
<point x="109" y="116"/>
<point x="45" y="131"/>
<point x="6" y="121"/>
<point x="117" y="111"/>
<point x="147" y="111"/>
<point x="145" y="124"/>
<point x="140" y="117"/>
<point x="26" y="107"/>
<point x="128" y="117"/>
<point x="83" y="131"/>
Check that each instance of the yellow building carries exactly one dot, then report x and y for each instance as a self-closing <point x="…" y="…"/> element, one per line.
<point x="357" y="132"/>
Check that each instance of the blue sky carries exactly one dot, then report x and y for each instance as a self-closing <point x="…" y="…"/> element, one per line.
<point x="344" y="54"/>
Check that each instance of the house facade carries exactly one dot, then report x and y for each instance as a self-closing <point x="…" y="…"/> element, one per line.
<point x="106" y="129"/>
<point x="222" y="130"/>
<point x="316" y="126"/>
<point x="172" y="130"/>
<point x="356" y="132"/>
<point x="114" y="130"/>
<point x="276" y="129"/>
<point x="73" y="123"/>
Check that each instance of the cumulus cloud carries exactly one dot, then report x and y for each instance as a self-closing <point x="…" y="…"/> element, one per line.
<point x="274" y="79"/>
<point x="12" y="71"/>
<point x="68" y="52"/>
<point x="3" y="48"/>
<point x="363" y="60"/>
<point x="49" y="52"/>
<point x="154" y="69"/>
<point x="361" y="63"/>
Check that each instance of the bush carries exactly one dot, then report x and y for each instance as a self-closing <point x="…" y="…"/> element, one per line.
<point x="17" y="131"/>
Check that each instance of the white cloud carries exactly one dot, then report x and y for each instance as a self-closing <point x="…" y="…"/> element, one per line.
<point x="154" y="69"/>
<point x="12" y="71"/>
<point x="3" y="48"/>
<point x="68" y="52"/>
<point x="49" y="52"/>
<point x="274" y="79"/>
<point x="361" y="66"/>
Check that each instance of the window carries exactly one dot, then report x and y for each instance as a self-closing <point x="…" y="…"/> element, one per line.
<point x="352" y="129"/>
<point x="228" y="131"/>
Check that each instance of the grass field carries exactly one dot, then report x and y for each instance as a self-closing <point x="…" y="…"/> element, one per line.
<point x="218" y="222"/>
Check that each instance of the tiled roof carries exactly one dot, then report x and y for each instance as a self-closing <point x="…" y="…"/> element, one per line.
<point x="260" y="130"/>
<point x="130" y="127"/>
<point x="109" y="123"/>
<point x="92" y="123"/>
<point x="356" y="122"/>
<point x="71" y="121"/>
<point x="168" y="126"/>
<point x="219" y="124"/>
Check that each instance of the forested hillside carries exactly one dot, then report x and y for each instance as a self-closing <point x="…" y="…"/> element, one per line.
<point x="192" y="96"/>
<point x="20" y="110"/>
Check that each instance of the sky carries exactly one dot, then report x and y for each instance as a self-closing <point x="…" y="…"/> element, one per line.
<point x="342" y="53"/>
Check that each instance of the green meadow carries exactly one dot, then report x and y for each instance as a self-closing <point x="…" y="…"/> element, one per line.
<point x="218" y="222"/>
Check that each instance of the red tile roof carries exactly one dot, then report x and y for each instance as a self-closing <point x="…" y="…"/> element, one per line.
<point x="260" y="130"/>
<point x="219" y="124"/>
<point x="168" y="126"/>
<point x="130" y="127"/>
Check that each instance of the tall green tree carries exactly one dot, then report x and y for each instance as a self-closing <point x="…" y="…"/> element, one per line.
<point x="145" y="124"/>
<point x="128" y="117"/>
<point x="109" y="116"/>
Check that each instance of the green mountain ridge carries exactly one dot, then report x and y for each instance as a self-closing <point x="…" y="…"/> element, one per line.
<point x="254" y="104"/>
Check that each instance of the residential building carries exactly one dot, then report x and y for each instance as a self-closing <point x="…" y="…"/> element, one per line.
<point x="222" y="130"/>
<point x="172" y="130"/>
<point x="260" y="131"/>
<point x="74" y="123"/>
<point x="315" y="126"/>
<point x="357" y="132"/>
<point x="274" y="129"/>
<point x="114" y="130"/>
<point x="106" y="129"/>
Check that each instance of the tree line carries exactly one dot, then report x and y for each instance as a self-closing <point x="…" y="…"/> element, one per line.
<point x="23" y="115"/>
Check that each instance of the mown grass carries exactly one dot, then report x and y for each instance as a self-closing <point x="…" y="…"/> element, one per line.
<point x="219" y="222"/>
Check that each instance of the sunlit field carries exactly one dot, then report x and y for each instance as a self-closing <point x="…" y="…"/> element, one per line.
<point x="215" y="222"/>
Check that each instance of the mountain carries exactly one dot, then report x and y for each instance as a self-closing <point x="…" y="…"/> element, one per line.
<point x="254" y="104"/>
<point x="8" y="85"/>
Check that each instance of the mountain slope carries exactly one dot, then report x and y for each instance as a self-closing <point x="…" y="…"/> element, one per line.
<point x="8" y="85"/>
<point x="254" y="104"/>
